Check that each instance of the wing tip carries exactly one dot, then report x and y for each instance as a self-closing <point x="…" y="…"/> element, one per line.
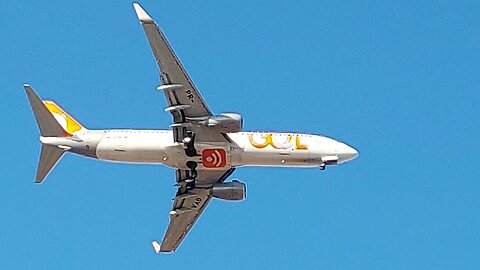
<point x="158" y="248"/>
<point x="142" y="14"/>
<point x="27" y="87"/>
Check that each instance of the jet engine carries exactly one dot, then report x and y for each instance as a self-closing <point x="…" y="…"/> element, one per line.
<point x="225" y="122"/>
<point x="231" y="191"/>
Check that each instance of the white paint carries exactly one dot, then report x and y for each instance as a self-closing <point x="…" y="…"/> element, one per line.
<point x="158" y="147"/>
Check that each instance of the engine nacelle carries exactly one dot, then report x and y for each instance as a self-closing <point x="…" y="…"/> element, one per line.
<point x="231" y="191"/>
<point x="225" y="122"/>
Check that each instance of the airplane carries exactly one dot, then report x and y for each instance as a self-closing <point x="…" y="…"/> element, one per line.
<point x="204" y="148"/>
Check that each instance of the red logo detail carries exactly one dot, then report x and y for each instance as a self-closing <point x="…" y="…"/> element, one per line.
<point x="214" y="158"/>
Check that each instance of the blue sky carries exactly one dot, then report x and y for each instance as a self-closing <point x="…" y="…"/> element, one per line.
<point x="398" y="81"/>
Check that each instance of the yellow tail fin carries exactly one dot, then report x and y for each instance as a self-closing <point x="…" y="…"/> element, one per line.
<point x="68" y="123"/>
<point x="52" y="121"/>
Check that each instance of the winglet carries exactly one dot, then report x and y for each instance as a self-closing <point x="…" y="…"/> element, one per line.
<point x="142" y="14"/>
<point x="156" y="246"/>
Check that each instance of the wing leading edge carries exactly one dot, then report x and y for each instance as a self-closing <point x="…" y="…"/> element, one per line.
<point x="180" y="92"/>
<point x="184" y="101"/>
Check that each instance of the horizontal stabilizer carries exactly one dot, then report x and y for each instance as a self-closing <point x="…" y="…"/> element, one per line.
<point x="48" y="159"/>
<point x="48" y="125"/>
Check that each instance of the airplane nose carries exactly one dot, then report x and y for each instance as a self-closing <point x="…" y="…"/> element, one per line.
<point x="351" y="152"/>
<point x="348" y="153"/>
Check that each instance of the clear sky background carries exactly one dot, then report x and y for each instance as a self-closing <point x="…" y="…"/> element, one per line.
<point x="399" y="81"/>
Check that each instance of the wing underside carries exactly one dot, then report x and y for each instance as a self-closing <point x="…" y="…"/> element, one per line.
<point x="184" y="101"/>
<point x="177" y="85"/>
<point x="188" y="206"/>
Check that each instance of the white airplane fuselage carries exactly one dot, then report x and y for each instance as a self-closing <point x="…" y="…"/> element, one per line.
<point x="245" y="149"/>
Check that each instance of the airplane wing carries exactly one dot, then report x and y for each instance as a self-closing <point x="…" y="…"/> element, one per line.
<point x="187" y="107"/>
<point x="188" y="206"/>
<point x="183" y="98"/>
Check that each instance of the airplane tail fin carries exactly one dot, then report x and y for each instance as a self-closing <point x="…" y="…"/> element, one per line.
<point x="67" y="122"/>
<point x="52" y="121"/>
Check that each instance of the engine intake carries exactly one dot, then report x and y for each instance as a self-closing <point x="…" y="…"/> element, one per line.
<point x="231" y="191"/>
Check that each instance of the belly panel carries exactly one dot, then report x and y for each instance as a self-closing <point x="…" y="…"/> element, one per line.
<point x="132" y="147"/>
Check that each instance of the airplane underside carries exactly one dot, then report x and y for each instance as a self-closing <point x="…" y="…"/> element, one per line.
<point x="204" y="148"/>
